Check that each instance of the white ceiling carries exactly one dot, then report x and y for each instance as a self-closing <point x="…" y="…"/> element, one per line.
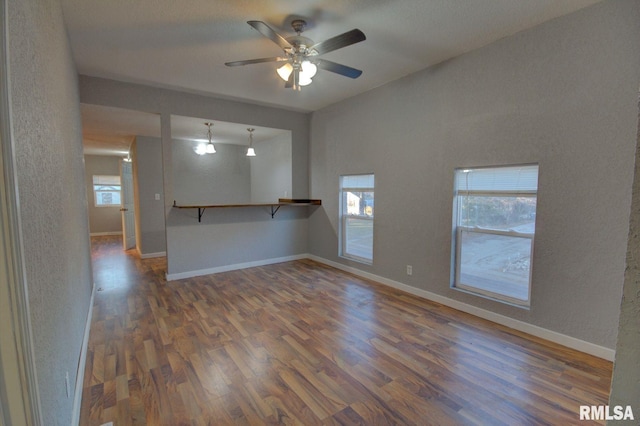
<point x="184" y="44"/>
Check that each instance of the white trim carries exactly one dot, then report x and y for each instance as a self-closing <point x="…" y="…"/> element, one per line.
<point x="104" y="234"/>
<point x="10" y="206"/>
<point x="225" y="268"/>
<point x="77" y="399"/>
<point x="534" y="330"/>
<point x="152" y="255"/>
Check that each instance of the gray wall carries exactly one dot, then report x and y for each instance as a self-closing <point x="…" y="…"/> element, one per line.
<point x="626" y="373"/>
<point x="147" y="178"/>
<point x="562" y="95"/>
<point x="271" y="170"/>
<point x="53" y="204"/>
<point x="101" y="219"/>
<point x="220" y="178"/>
<point x="227" y="236"/>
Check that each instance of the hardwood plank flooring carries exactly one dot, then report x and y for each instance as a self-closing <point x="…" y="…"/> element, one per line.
<point x="301" y="343"/>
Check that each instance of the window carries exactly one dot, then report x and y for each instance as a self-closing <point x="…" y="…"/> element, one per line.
<point x="494" y="225"/>
<point x="356" y="217"/>
<point x="106" y="190"/>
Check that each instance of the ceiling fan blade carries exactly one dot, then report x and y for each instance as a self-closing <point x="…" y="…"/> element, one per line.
<point x="339" y="41"/>
<point x="270" y="33"/>
<point x="256" y="61"/>
<point x="338" y="68"/>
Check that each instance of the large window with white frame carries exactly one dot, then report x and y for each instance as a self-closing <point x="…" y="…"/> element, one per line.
<point x="494" y="219"/>
<point x="356" y="217"/>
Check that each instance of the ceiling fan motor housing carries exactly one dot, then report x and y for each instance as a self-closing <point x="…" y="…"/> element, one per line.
<point x="298" y="25"/>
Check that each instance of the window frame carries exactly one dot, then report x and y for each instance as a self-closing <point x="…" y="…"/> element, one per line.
<point x="343" y="218"/>
<point x="456" y="281"/>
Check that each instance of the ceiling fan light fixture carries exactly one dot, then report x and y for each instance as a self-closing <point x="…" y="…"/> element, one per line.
<point x="309" y="69"/>
<point x="298" y="70"/>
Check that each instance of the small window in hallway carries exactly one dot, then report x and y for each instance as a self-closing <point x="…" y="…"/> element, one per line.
<point x="106" y="190"/>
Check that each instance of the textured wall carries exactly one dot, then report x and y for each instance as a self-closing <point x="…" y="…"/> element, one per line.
<point x="625" y="386"/>
<point x="220" y="178"/>
<point x="101" y="219"/>
<point x="271" y="170"/>
<point x="53" y="204"/>
<point x="147" y="172"/>
<point x="563" y="95"/>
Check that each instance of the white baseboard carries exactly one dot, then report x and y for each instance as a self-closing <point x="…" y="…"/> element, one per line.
<point x="104" y="234"/>
<point x="77" y="399"/>
<point x="225" y="268"/>
<point x="152" y="255"/>
<point x="534" y="330"/>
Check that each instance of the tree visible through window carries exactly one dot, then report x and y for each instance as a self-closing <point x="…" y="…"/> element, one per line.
<point x="356" y="213"/>
<point x="106" y="190"/>
<point x="494" y="224"/>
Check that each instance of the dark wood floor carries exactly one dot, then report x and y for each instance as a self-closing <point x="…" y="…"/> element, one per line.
<point x="303" y="343"/>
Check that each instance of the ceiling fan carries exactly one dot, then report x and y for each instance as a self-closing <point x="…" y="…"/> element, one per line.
<point x="301" y="61"/>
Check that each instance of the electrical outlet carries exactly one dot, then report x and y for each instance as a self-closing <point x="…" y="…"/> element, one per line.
<point x="67" y="384"/>
<point x="409" y="270"/>
<point x="157" y="197"/>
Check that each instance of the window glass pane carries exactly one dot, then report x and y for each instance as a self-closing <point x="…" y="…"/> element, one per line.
<point x="505" y="213"/>
<point x="108" y="198"/>
<point x="358" y="234"/>
<point x="359" y="203"/>
<point x="357" y="211"/>
<point x="495" y="263"/>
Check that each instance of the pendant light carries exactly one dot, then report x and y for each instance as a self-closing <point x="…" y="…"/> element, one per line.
<point x="210" y="149"/>
<point x="207" y="148"/>
<point x="250" y="151"/>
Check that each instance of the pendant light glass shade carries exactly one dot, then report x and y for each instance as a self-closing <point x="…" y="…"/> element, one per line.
<point x="250" y="151"/>
<point x="201" y="149"/>
<point x="207" y="148"/>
